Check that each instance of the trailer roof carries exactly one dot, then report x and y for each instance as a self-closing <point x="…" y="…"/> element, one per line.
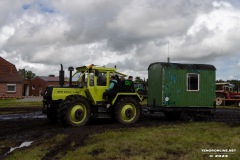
<point x="184" y="66"/>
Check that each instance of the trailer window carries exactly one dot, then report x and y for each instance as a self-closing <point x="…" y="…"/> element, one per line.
<point x="192" y="82"/>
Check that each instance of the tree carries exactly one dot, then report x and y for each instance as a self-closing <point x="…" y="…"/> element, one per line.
<point x="236" y="84"/>
<point x="26" y="75"/>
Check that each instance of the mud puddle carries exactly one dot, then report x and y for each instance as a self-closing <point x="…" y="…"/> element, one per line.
<point x="24" y="144"/>
<point x="32" y="115"/>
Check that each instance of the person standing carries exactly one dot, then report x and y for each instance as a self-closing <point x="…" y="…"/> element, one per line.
<point x="112" y="90"/>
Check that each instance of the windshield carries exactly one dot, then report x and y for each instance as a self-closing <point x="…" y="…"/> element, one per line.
<point x="76" y="76"/>
<point x="80" y="79"/>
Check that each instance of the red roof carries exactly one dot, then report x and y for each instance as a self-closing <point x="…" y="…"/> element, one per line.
<point x="50" y="79"/>
<point x="8" y="72"/>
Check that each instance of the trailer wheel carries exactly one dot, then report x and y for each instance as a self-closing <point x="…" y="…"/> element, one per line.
<point x="74" y="111"/>
<point x="172" y="115"/>
<point x="128" y="110"/>
<point x="219" y="99"/>
<point x="188" y="116"/>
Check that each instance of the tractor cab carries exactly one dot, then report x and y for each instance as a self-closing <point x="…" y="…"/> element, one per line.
<point x="94" y="80"/>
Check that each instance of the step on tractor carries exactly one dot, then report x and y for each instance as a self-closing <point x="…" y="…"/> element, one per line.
<point x="82" y="99"/>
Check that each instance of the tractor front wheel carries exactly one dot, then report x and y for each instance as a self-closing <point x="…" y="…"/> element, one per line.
<point x="74" y="111"/>
<point x="128" y="110"/>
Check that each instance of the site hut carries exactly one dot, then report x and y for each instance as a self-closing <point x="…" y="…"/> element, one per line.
<point x="177" y="89"/>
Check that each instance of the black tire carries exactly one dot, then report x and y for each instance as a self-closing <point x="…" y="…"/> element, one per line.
<point x="52" y="113"/>
<point x="172" y="115"/>
<point x="220" y="99"/>
<point x="188" y="116"/>
<point x="74" y="111"/>
<point x="128" y="110"/>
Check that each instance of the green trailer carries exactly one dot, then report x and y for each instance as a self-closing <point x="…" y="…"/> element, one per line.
<point x="181" y="90"/>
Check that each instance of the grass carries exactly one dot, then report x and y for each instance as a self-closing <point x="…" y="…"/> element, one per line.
<point x="15" y="103"/>
<point x="182" y="141"/>
<point x="229" y="107"/>
<point x="10" y="106"/>
<point x="179" y="141"/>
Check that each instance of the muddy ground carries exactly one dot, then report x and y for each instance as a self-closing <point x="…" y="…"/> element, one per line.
<point x="35" y="127"/>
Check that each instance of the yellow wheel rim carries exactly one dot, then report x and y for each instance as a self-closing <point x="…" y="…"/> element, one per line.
<point x="78" y="114"/>
<point x="128" y="112"/>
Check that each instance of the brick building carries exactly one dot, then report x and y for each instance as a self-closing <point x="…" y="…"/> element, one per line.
<point x="38" y="84"/>
<point x="10" y="80"/>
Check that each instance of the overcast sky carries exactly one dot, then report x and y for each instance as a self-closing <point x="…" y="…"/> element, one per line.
<point x="39" y="35"/>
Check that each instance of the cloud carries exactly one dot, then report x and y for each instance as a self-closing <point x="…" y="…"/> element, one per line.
<point x="130" y="33"/>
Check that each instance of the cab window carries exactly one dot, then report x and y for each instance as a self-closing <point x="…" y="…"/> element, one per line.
<point x="102" y="79"/>
<point x="91" y="76"/>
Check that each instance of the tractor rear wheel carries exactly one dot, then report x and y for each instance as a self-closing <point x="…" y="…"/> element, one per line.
<point x="74" y="111"/>
<point x="128" y="110"/>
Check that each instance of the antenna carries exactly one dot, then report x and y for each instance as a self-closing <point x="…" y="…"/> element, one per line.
<point x="168" y="58"/>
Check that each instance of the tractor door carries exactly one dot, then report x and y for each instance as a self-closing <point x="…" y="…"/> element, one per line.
<point x="97" y="84"/>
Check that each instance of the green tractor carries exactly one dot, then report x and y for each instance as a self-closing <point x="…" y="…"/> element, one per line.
<point x="75" y="104"/>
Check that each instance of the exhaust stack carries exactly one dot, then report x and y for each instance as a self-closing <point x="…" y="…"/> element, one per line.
<point x="70" y="69"/>
<point x="61" y="76"/>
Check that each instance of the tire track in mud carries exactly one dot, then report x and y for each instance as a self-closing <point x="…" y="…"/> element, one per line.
<point x="65" y="146"/>
<point x="227" y="115"/>
<point x="78" y="136"/>
<point x="38" y="130"/>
